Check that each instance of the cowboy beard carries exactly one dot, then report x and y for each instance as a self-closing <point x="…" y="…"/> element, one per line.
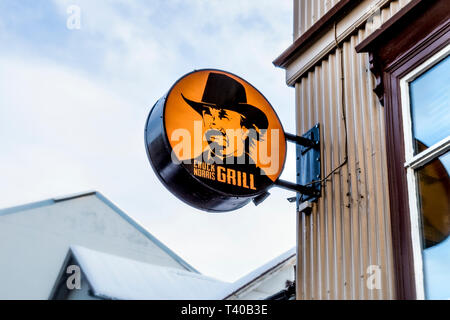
<point x="218" y="142"/>
<point x="229" y="143"/>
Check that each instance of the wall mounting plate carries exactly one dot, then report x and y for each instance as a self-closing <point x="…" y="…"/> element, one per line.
<point x="309" y="166"/>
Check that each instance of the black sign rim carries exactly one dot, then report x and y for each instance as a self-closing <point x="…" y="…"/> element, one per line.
<point x="203" y="197"/>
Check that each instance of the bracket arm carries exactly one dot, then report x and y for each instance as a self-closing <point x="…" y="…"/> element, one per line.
<point x="301" y="140"/>
<point x="309" y="191"/>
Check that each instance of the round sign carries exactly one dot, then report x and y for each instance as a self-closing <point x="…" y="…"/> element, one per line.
<point x="215" y="141"/>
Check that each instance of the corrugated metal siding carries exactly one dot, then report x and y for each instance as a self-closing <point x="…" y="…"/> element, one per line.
<point x="349" y="228"/>
<point x="308" y="12"/>
<point x="383" y="15"/>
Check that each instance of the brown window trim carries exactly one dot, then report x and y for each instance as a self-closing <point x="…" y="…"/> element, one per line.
<point x="409" y="38"/>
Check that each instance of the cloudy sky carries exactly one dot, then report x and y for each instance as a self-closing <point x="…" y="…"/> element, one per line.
<point x="73" y="105"/>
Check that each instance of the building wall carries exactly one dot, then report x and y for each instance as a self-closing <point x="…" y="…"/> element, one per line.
<point x="34" y="243"/>
<point x="82" y="293"/>
<point x="268" y="284"/>
<point x="349" y="229"/>
<point x="307" y="12"/>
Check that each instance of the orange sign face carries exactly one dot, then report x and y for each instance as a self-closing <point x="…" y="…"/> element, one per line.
<point x="224" y="132"/>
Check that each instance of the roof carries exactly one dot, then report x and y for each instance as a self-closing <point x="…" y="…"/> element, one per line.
<point x="118" y="278"/>
<point x="257" y="274"/>
<point x="113" y="277"/>
<point x="110" y="204"/>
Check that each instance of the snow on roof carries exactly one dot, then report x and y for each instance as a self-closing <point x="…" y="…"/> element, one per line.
<point x="256" y="274"/>
<point x="110" y="204"/>
<point x="114" y="277"/>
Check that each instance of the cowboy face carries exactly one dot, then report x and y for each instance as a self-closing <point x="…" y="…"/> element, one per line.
<point x="224" y="132"/>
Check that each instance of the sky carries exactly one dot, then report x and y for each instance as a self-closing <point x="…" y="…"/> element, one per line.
<point x="74" y="102"/>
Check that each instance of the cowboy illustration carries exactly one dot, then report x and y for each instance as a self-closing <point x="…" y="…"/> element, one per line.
<point x="231" y="127"/>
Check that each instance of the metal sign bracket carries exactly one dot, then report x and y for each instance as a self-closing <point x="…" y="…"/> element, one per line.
<point x="308" y="186"/>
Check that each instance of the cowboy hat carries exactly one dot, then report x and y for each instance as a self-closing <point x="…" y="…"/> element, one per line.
<point x="223" y="92"/>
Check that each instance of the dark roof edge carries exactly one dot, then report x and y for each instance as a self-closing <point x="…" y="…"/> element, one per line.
<point x="338" y="10"/>
<point x="43" y="203"/>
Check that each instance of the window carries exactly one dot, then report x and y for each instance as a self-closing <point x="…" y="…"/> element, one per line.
<point x="426" y="123"/>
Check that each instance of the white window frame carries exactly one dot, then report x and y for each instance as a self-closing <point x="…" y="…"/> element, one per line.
<point x="413" y="162"/>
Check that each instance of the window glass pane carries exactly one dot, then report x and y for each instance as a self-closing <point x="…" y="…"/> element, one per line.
<point x="434" y="195"/>
<point x="430" y="105"/>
